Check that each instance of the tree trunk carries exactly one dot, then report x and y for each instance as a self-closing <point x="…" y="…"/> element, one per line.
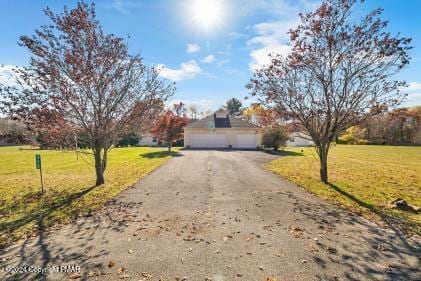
<point x="99" y="166"/>
<point x="323" y="166"/>
<point x="98" y="170"/>
<point x="169" y="147"/>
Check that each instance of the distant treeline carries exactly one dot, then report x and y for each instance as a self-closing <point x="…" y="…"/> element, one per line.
<point x="13" y="132"/>
<point x="401" y="126"/>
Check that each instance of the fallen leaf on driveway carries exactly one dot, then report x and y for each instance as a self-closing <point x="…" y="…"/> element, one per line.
<point x="331" y="250"/>
<point x="130" y="251"/>
<point x="296" y="231"/>
<point x="146" y="274"/>
<point x="111" y="263"/>
<point x="75" y="275"/>
<point x="94" y="273"/>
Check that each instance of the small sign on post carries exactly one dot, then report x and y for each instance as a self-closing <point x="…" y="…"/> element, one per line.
<point x="39" y="167"/>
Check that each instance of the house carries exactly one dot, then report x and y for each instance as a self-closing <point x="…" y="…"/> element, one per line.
<point x="299" y="139"/>
<point x="221" y="130"/>
<point x="147" y="139"/>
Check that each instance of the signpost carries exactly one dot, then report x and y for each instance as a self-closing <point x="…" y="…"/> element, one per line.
<point x="39" y="167"/>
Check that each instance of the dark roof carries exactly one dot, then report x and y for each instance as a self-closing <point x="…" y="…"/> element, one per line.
<point x="229" y="121"/>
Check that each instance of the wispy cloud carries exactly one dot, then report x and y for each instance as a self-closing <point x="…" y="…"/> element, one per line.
<point x="272" y="36"/>
<point x="123" y="6"/>
<point x="273" y="7"/>
<point x="188" y="70"/>
<point x="208" y="59"/>
<point x="192" y="48"/>
<point x="202" y="104"/>
<point x="414" y="93"/>
<point x="226" y="51"/>
<point x="237" y="35"/>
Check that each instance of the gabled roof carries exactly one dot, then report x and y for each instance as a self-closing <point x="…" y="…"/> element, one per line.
<point x="216" y="121"/>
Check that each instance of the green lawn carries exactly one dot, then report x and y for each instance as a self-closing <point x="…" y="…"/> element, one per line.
<point x="68" y="184"/>
<point x="363" y="178"/>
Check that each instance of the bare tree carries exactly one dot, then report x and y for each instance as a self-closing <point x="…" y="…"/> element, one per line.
<point x="207" y="112"/>
<point x="86" y="77"/>
<point x="193" y="111"/>
<point x="338" y="74"/>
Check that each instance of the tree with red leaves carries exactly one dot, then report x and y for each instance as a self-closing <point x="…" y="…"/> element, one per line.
<point x="169" y="126"/>
<point x="338" y="74"/>
<point x="86" y="79"/>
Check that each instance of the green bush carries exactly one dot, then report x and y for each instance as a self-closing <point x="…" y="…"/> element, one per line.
<point x="274" y="137"/>
<point x="341" y="141"/>
<point x="353" y="135"/>
<point x="377" y="142"/>
<point x="347" y="139"/>
<point x="352" y="141"/>
<point x="130" y="139"/>
<point x="363" y="142"/>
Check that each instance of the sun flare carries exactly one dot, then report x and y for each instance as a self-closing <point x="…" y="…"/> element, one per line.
<point x="207" y="14"/>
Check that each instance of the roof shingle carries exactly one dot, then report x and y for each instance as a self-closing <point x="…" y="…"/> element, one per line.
<point x="217" y="122"/>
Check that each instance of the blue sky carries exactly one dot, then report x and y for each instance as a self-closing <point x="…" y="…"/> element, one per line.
<point x="211" y="54"/>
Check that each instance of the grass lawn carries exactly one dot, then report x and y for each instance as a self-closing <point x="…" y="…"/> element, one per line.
<point x="68" y="185"/>
<point x="363" y="178"/>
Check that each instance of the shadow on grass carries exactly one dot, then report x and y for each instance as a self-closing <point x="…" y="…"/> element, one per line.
<point x="359" y="245"/>
<point x="389" y="219"/>
<point x="44" y="250"/>
<point x="19" y="204"/>
<point x="159" y="154"/>
<point x="284" y="152"/>
<point x="43" y="210"/>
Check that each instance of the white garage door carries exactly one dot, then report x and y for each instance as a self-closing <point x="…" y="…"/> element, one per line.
<point x="246" y="141"/>
<point x="208" y="140"/>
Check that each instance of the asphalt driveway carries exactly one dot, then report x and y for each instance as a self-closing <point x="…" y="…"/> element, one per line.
<point x="219" y="215"/>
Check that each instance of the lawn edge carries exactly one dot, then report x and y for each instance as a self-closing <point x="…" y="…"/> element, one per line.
<point x="30" y="234"/>
<point x="407" y="230"/>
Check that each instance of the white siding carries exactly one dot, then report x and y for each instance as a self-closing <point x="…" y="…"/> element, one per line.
<point x="147" y="140"/>
<point x="298" y="139"/>
<point x="209" y="140"/>
<point x="224" y="138"/>
<point x="246" y="141"/>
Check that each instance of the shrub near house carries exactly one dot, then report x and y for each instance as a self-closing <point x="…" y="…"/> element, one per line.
<point x="274" y="138"/>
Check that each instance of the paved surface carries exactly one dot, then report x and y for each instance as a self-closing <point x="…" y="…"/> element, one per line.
<point x="218" y="215"/>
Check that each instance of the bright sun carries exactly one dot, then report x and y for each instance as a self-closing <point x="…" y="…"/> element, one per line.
<point x="207" y="14"/>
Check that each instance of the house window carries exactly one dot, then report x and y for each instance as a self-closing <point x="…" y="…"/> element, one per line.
<point x="154" y="139"/>
<point x="291" y="140"/>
